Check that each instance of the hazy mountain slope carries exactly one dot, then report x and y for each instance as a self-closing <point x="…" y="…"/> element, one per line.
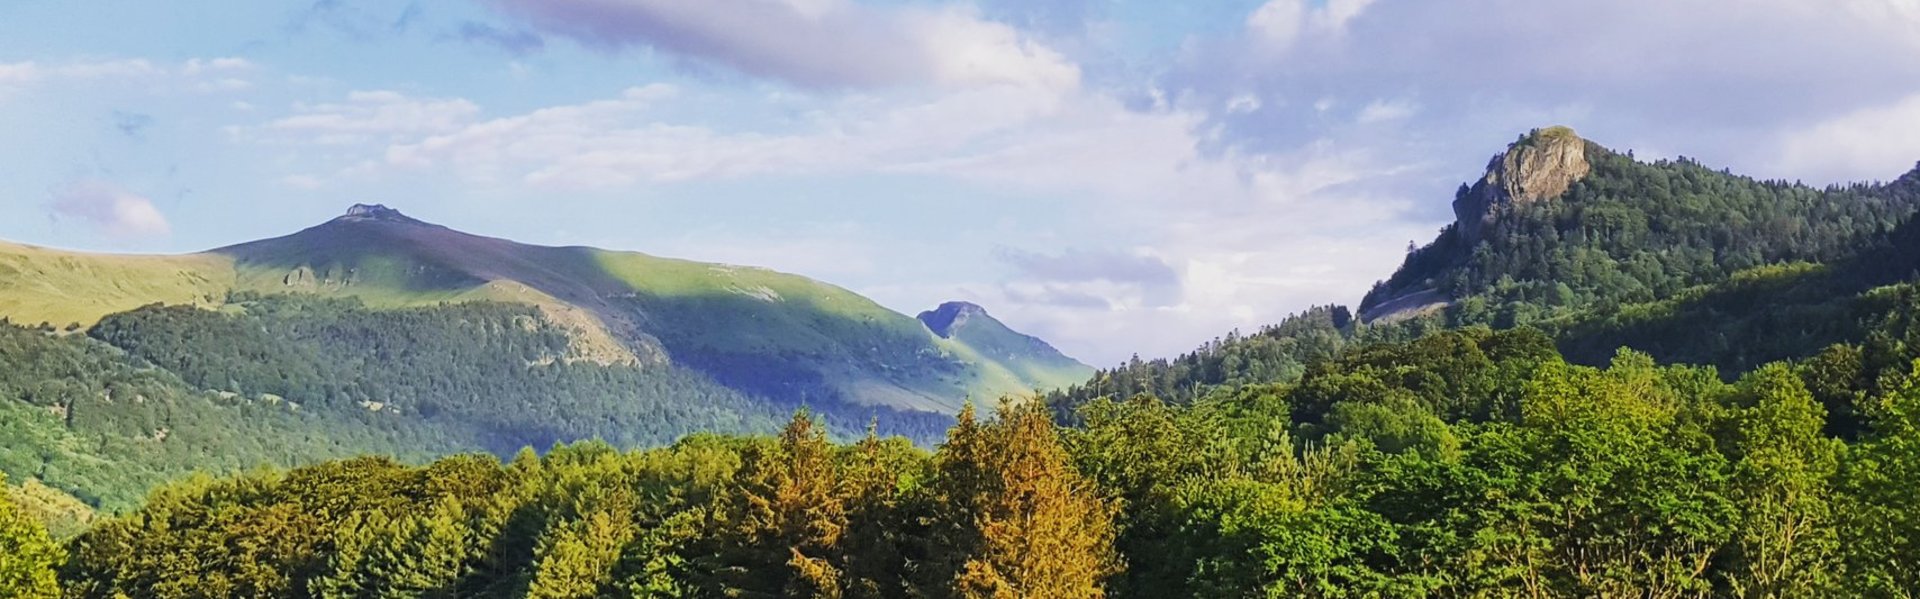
<point x="1020" y="359"/>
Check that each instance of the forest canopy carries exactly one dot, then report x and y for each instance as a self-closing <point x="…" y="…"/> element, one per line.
<point x="1462" y="463"/>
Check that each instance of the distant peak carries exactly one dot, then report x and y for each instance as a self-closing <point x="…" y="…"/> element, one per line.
<point x="1540" y="166"/>
<point x="950" y="316"/>
<point x="376" y="212"/>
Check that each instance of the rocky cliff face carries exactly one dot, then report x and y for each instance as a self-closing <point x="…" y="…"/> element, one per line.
<point x="1541" y="166"/>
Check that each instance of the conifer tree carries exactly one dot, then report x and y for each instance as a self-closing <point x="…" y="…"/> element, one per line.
<point x="1034" y="528"/>
<point x="780" y="533"/>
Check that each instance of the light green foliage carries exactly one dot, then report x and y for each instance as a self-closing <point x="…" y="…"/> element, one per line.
<point x="27" y="555"/>
<point x="1787" y="543"/>
<point x="1880" y="525"/>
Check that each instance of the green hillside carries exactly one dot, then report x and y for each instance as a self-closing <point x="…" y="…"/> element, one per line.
<point x="1603" y="251"/>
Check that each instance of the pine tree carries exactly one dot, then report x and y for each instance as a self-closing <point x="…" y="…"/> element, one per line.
<point x="780" y="533"/>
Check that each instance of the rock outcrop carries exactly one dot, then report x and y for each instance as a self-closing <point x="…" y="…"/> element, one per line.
<point x="950" y="317"/>
<point x="376" y="212"/>
<point x="1541" y="166"/>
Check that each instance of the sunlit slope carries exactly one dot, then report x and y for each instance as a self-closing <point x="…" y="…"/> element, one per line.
<point x="782" y="336"/>
<point x="62" y="288"/>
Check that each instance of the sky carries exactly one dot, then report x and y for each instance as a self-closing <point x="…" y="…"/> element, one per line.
<point x="1119" y="177"/>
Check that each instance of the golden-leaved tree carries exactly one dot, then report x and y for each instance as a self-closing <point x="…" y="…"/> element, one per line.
<point x="1023" y="522"/>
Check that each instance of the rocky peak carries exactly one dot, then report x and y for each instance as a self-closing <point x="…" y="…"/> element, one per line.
<point x="376" y="213"/>
<point x="950" y="316"/>
<point x="1540" y="166"/>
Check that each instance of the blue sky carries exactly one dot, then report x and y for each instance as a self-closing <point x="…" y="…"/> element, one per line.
<point x="1117" y="176"/>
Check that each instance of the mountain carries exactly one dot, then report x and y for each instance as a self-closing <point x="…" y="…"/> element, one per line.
<point x="752" y="329"/>
<point x="1022" y="357"/>
<point x="1601" y="251"/>
<point x="376" y="332"/>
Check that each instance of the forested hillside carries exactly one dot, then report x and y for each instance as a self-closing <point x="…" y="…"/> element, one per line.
<point x="161" y="392"/>
<point x="1603" y="251"/>
<point x="1461" y="464"/>
<point x="97" y="424"/>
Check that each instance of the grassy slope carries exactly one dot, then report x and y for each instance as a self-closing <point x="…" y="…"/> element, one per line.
<point x="60" y="287"/>
<point x="622" y="305"/>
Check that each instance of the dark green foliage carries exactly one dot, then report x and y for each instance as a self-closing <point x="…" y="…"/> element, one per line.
<point x="89" y="420"/>
<point x="495" y="376"/>
<point x="1280" y="352"/>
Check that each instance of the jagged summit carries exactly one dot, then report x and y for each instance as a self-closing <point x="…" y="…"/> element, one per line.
<point x="950" y="316"/>
<point x="1539" y="166"/>
<point x="376" y="213"/>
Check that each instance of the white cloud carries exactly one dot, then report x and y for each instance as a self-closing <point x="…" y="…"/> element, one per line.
<point x="621" y="141"/>
<point x="197" y="66"/>
<point x="817" y="43"/>
<point x="110" y="209"/>
<point x="1875" y="143"/>
<point x="1279" y="24"/>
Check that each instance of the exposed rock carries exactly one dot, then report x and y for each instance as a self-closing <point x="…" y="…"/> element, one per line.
<point x="376" y="212"/>
<point x="1541" y="166"/>
<point x="950" y="316"/>
<point x="301" y="277"/>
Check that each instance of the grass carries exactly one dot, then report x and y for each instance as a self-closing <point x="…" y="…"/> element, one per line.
<point x="60" y="287"/>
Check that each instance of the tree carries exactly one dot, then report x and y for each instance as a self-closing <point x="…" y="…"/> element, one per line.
<point x="1786" y="544"/>
<point x="779" y="533"/>
<point x="27" y="554"/>
<point x="1880" y="527"/>
<point x="1029" y="525"/>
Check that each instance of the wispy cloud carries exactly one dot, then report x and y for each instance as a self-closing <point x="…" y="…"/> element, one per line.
<point x="815" y="43"/>
<point x="204" y="75"/>
<point x="109" y="209"/>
